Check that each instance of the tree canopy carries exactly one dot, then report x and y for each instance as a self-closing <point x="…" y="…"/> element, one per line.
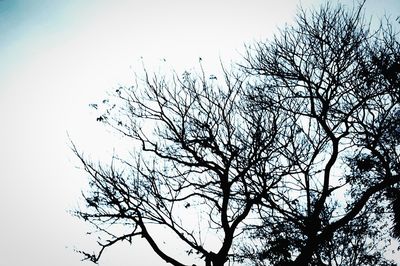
<point x="291" y="157"/>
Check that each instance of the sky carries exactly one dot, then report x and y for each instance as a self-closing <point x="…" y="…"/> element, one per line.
<point x="56" y="58"/>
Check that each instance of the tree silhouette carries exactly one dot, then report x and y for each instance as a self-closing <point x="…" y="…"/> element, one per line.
<point x="292" y="158"/>
<point x="337" y="80"/>
<point x="206" y="159"/>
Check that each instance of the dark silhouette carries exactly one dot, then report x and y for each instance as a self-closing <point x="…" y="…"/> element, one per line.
<point x="337" y="81"/>
<point x="206" y="160"/>
<point x="293" y="160"/>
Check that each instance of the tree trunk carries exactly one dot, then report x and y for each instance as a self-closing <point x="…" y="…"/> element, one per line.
<point x="215" y="260"/>
<point x="306" y="254"/>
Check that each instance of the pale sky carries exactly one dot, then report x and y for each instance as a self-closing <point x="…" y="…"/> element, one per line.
<point x="57" y="57"/>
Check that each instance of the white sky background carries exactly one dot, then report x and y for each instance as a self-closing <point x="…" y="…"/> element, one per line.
<point x="57" y="57"/>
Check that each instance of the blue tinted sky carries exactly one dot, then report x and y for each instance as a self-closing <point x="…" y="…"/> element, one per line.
<point x="57" y="57"/>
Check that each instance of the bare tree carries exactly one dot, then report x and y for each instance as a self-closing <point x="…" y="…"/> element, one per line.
<point x="337" y="82"/>
<point x="292" y="159"/>
<point x="204" y="160"/>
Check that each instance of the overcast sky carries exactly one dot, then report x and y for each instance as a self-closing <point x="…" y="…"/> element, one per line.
<point x="57" y="57"/>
